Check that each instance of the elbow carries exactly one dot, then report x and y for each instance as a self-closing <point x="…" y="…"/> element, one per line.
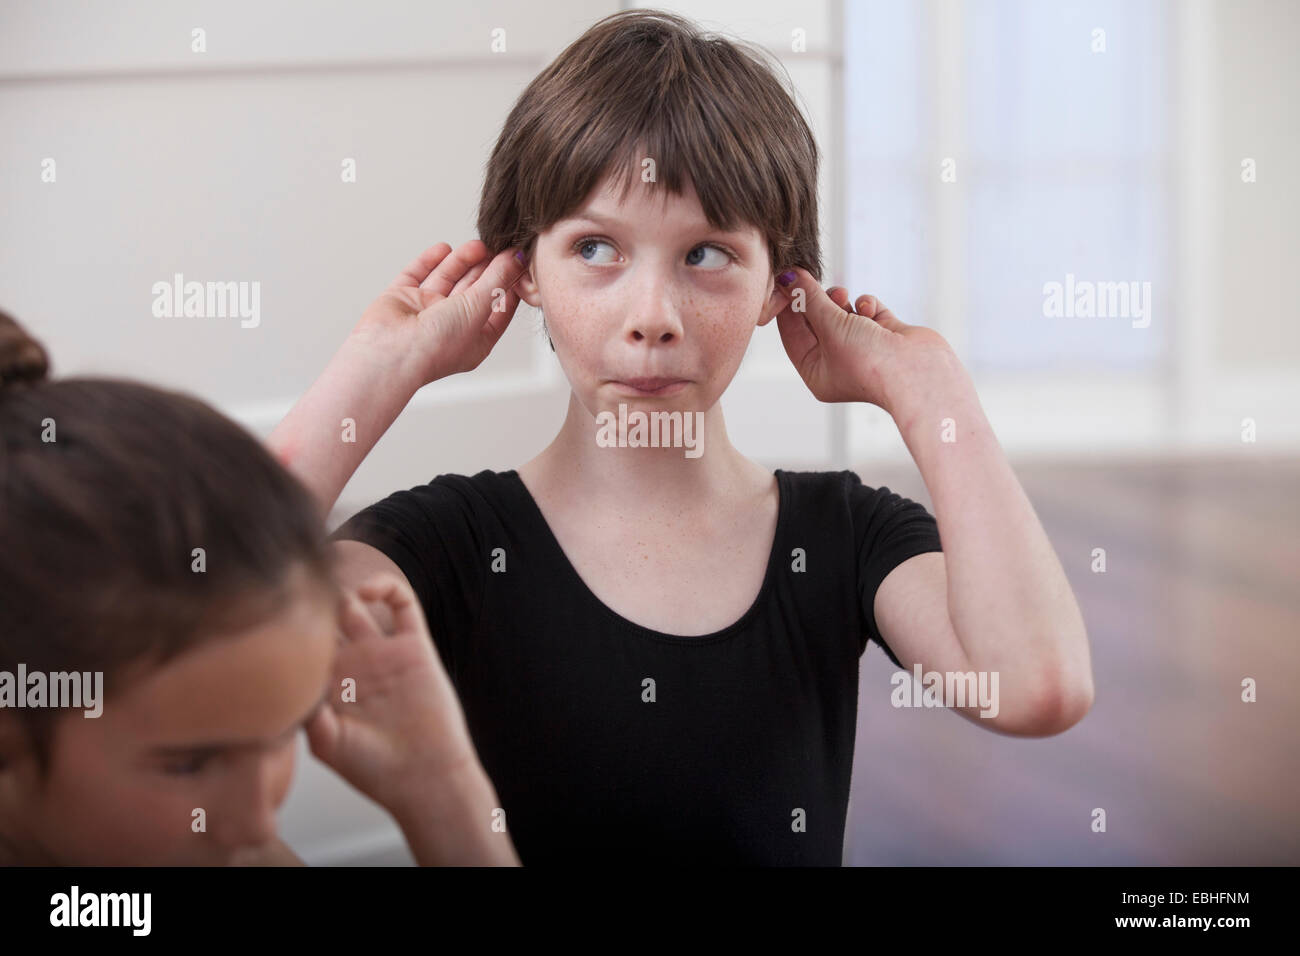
<point x="1064" y="695"/>
<point x="1070" y="707"/>
<point x="1060" y="706"/>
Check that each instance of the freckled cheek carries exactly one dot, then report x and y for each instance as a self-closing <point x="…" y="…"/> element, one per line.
<point x="578" y="325"/>
<point x="723" y="328"/>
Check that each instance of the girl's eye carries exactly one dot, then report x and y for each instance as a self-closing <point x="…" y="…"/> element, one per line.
<point x="722" y="258"/>
<point x="582" y="245"/>
<point x="585" y="247"/>
<point x="187" y="766"/>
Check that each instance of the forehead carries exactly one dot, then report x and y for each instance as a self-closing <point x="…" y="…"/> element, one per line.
<point x="249" y="685"/>
<point x="650" y="206"/>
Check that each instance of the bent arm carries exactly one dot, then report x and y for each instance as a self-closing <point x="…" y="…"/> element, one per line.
<point x="365" y="382"/>
<point x="1006" y="595"/>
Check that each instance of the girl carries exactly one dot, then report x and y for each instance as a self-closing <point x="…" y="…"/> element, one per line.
<point x="159" y="560"/>
<point x="657" y="651"/>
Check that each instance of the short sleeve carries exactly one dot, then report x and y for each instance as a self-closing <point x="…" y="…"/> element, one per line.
<point x="432" y="535"/>
<point x="888" y="529"/>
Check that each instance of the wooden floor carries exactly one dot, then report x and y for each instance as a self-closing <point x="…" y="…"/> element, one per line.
<point x="1202" y="590"/>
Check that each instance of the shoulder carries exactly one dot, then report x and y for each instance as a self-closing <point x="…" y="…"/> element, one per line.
<point x="824" y="486"/>
<point x="485" y="485"/>
<point x="441" y="498"/>
<point x="845" y="492"/>
<point x="885" y="527"/>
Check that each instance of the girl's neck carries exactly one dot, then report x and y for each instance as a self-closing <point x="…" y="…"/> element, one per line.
<point x="703" y="469"/>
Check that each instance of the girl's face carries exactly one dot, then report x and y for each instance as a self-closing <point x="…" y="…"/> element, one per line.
<point x="213" y="730"/>
<point x="647" y="289"/>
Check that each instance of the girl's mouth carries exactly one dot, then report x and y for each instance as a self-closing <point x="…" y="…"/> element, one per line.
<point x="652" y="386"/>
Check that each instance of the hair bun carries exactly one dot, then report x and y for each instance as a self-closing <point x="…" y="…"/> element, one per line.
<point x="22" y="358"/>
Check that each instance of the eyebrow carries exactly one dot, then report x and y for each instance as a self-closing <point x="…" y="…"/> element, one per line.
<point x="610" y="222"/>
<point x="217" y="746"/>
<point x="592" y="216"/>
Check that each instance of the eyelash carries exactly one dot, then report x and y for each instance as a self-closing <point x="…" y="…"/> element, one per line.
<point x="195" y="765"/>
<point x="187" y="768"/>
<point x="712" y="245"/>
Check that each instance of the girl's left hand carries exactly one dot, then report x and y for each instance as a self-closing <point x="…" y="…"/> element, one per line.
<point x="848" y="356"/>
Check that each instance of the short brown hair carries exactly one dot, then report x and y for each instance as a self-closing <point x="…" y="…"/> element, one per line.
<point x="647" y="83"/>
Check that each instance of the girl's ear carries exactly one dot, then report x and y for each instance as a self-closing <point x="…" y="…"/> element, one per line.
<point x="526" y="288"/>
<point x="777" y="303"/>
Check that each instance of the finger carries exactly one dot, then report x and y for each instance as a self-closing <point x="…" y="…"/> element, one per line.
<point x="796" y="335"/>
<point x="840" y="296"/>
<point x="358" y="623"/>
<point x="492" y="294"/>
<point x="876" y="310"/>
<point x="323" y="732"/>
<point x="420" y="267"/>
<point x="506" y="268"/>
<point x="399" y="598"/>
<point x="819" y="310"/>
<point x="469" y="278"/>
<point x="501" y="307"/>
<point x="451" y="269"/>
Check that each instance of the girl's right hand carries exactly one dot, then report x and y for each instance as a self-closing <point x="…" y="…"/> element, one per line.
<point x="399" y="734"/>
<point x="392" y="726"/>
<point x="446" y="310"/>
